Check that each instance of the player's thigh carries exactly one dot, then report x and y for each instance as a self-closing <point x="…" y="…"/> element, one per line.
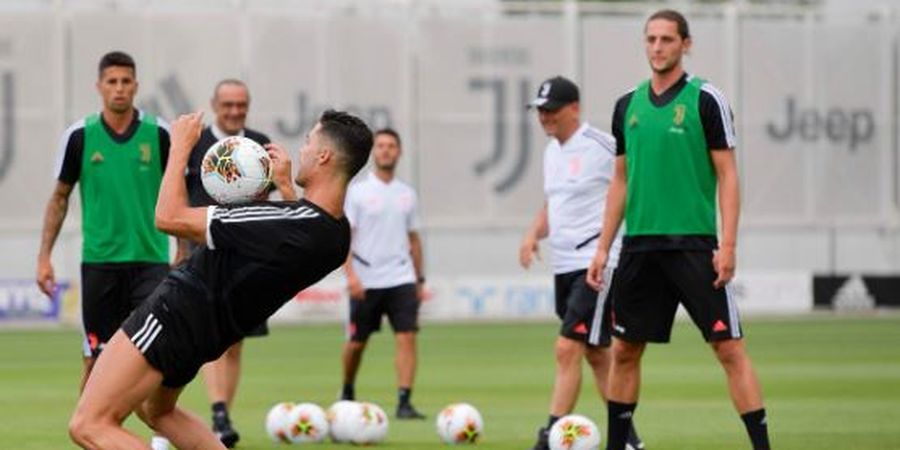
<point x="101" y="304"/>
<point x="644" y="302"/>
<point x="120" y="381"/>
<point x="402" y="307"/>
<point x="712" y="309"/>
<point x="365" y="315"/>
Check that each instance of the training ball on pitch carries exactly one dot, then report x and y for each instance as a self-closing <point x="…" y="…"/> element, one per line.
<point x="342" y="420"/>
<point x="373" y="425"/>
<point x="278" y="422"/>
<point x="459" y="423"/>
<point x="574" y="432"/>
<point x="236" y="170"/>
<point x="306" y="423"/>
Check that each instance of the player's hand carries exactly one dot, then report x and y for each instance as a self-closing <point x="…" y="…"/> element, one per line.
<point x="46" y="281"/>
<point x="420" y="291"/>
<point x="594" y="275"/>
<point x="356" y="289"/>
<point x="281" y="163"/>
<point x="723" y="263"/>
<point x="185" y="132"/>
<point x="528" y="251"/>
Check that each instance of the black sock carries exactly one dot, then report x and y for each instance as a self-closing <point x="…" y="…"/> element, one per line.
<point x="757" y="428"/>
<point x="403" y="395"/>
<point x="633" y="437"/>
<point x="348" y="392"/>
<point x="219" y="411"/>
<point x="551" y="420"/>
<point x="619" y="417"/>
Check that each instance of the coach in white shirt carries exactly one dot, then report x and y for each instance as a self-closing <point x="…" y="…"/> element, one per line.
<point x="578" y="167"/>
<point x="384" y="268"/>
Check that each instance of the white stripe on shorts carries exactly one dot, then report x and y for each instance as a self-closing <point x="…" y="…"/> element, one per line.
<point x="143" y="329"/>
<point x="154" y="324"/>
<point x="733" y="316"/>
<point x="602" y="296"/>
<point x="150" y="340"/>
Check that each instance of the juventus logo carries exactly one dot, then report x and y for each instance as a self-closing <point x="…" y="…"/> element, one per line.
<point x="545" y="90"/>
<point x="679" y="115"/>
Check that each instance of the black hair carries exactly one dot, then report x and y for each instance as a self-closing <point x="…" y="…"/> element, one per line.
<point x="351" y="136"/>
<point x="115" y="59"/>
<point x="672" y="16"/>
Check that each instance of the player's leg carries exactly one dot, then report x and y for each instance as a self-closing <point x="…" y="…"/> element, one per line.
<point x="715" y="313"/>
<point x="141" y="281"/>
<point x="221" y="378"/>
<point x="185" y="429"/>
<point x="365" y="319"/>
<point x="120" y="381"/>
<point x="643" y="311"/>
<point x="402" y="307"/>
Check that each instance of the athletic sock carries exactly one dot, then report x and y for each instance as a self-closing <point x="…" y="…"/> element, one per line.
<point x="348" y="392"/>
<point x="619" y="417"/>
<point x="551" y="420"/>
<point x="757" y="428"/>
<point x="403" y="395"/>
<point x="219" y="412"/>
<point x="633" y="439"/>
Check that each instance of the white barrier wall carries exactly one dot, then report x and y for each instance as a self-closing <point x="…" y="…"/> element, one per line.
<point x="814" y="99"/>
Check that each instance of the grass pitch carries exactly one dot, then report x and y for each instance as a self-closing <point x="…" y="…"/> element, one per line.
<point x="829" y="383"/>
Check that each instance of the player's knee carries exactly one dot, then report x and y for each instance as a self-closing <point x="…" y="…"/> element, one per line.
<point x="82" y="430"/>
<point x="568" y="351"/>
<point x="626" y="353"/>
<point x="597" y="356"/>
<point x="729" y="352"/>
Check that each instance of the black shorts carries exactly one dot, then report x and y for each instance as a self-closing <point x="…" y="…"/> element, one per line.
<point x="109" y="292"/>
<point x="399" y="303"/>
<point x="650" y="285"/>
<point x="577" y="306"/>
<point x="179" y="328"/>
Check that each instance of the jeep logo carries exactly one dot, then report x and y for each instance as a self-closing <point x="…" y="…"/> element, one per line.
<point x="850" y="127"/>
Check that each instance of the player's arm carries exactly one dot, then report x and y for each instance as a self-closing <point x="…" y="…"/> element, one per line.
<point x="281" y="171"/>
<point x="354" y="285"/>
<point x="415" y="250"/>
<point x="729" y="209"/>
<point x="538" y="230"/>
<point x="174" y="215"/>
<point x="612" y="220"/>
<point x="54" y="216"/>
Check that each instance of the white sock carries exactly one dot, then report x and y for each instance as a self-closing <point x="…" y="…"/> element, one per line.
<point x="159" y="443"/>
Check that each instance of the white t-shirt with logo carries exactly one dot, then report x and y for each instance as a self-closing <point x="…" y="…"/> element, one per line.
<point x="576" y="179"/>
<point x="382" y="216"/>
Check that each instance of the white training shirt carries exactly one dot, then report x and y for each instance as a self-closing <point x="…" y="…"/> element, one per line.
<point x="382" y="215"/>
<point x="576" y="178"/>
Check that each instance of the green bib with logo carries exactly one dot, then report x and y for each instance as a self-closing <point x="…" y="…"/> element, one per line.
<point x="119" y="184"/>
<point x="671" y="178"/>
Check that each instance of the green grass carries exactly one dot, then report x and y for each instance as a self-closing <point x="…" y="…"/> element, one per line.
<point x="829" y="383"/>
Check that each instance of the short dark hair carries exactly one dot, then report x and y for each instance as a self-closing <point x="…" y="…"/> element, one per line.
<point x="351" y="136"/>
<point x="672" y="16"/>
<point x="390" y="132"/>
<point x="116" y="59"/>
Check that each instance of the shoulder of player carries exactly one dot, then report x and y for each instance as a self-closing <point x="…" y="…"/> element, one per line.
<point x="73" y="129"/>
<point x="710" y="95"/>
<point x="261" y="211"/>
<point x="596" y="138"/>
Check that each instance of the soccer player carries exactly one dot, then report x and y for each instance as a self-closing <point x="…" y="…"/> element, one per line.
<point x="230" y="103"/>
<point x="675" y="150"/>
<point x="257" y="256"/>
<point x="384" y="269"/>
<point x="118" y="156"/>
<point x="578" y="163"/>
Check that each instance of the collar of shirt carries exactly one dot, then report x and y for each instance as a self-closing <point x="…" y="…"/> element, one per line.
<point x="219" y="134"/>
<point x="374" y="178"/>
<point x="574" y="138"/>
